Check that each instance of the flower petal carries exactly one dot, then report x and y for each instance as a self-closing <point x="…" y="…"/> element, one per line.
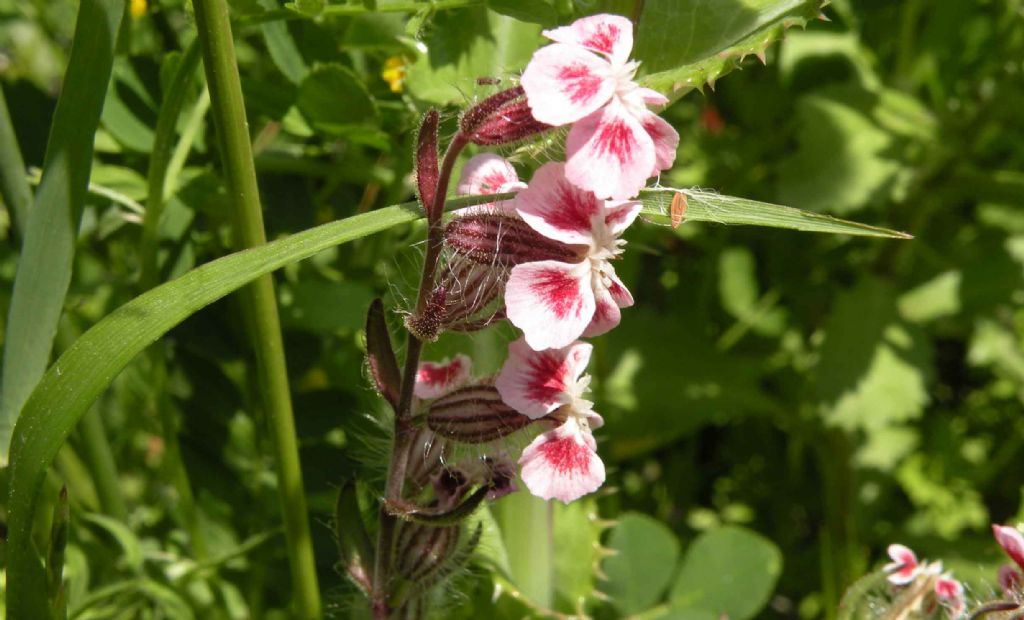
<point x="610" y="153"/>
<point x="651" y="96"/>
<point x="1012" y="542"/>
<point x="562" y="464"/>
<point x="611" y="35"/>
<point x="551" y="302"/>
<point x="487" y="173"/>
<point x="535" y="383"/>
<point x="556" y="208"/>
<point x="904" y="567"/>
<point x="609" y="295"/>
<point x="1009" y="578"/>
<point x="666" y="141"/>
<point x="436" y="379"/>
<point x="564" y="83"/>
<point x="618" y="217"/>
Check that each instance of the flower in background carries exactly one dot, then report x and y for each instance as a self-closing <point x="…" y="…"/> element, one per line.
<point x="554" y="302"/>
<point x="1012" y="542"/>
<point x="561" y="463"/>
<point x="904" y="567"/>
<point x="586" y="78"/>
<point x="950" y="594"/>
<point x="437" y="379"/>
<point x="488" y="173"/>
<point x="394" y="73"/>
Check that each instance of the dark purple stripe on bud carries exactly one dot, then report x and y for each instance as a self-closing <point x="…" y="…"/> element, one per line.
<point x="424" y="549"/>
<point x="475" y="414"/>
<point x="503" y="240"/>
<point x="502" y="118"/>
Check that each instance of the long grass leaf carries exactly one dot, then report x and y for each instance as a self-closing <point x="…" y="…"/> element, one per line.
<point x="86" y="369"/>
<point x="44" y="270"/>
<point x="13" y="185"/>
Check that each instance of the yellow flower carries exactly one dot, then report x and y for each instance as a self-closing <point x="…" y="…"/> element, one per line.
<point x="394" y="72"/>
<point x="137" y="8"/>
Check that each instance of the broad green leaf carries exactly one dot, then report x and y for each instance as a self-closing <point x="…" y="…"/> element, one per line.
<point x="740" y="292"/>
<point x="334" y="100"/>
<point x="933" y="299"/>
<point x="468" y="44"/>
<point x="842" y="161"/>
<point x="646" y="554"/>
<point x="85" y="370"/>
<point x="684" y="44"/>
<point x="729" y="571"/>
<point x="871" y="373"/>
<point x="44" y="270"/>
<point x="704" y="206"/>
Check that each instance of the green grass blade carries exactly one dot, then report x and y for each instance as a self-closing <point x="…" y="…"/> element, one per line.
<point x="705" y="206"/>
<point x="13" y="185"/>
<point x="86" y="369"/>
<point x="44" y="271"/>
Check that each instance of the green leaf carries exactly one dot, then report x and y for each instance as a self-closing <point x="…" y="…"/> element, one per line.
<point x="533" y="11"/>
<point x="44" y="269"/>
<point x="466" y="45"/>
<point x="85" y="370"/>
<point x="334" y="100"/>
<point x="324" y="307"/>
<point x="14" y="189"/>
<point x="704" y="206"/>
<point x="282" y="48"/>
<point x="131" y="547"/>
<point x="730" y="572"/>
<point x="739" y="290"/>
<point x="646" y="553"/>
<point x="577" y="534"/>
<point x="842" y="160"/>
<point x="688" y="43"/>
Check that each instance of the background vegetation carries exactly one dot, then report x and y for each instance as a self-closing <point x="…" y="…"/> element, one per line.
<point x="780" y="405"/>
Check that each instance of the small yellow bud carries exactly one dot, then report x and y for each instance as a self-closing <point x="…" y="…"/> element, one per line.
<point x="394" y="73"/>
<point x="137" y="8"/>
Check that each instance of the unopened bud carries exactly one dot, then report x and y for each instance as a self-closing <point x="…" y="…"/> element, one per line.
<point x="499" y="239"/>
<point x="424" y="549"/>
<point x="475" y="414"/>
<point x="426" y="456"/>
<point x="502" y="118"/>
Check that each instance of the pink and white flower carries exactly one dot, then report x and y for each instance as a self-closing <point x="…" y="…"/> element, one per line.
<point x="586" y="78"/>
<point x="488" y="173"/>
<point x="434" y="380"/>
<point x="555" y="302"/>
<point x="950" y="593"/>
<point x="1012" y="542"/>
<point x="904" y="567"/>
<point x="562" y="463"/>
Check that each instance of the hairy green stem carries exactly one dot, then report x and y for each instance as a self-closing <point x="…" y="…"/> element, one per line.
<point x="259" y="304"/>
<point x="402" y="435"/>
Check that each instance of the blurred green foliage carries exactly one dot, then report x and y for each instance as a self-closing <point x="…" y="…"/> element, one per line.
<point x="832" y="394"/>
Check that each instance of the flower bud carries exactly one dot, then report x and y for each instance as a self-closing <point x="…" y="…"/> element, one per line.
<point x="474" y="414"/>
<point x="502" y="118"/>
<point x="424" y="549"/>
<point x="494" y="238"/>
<point x="427" y="455"/>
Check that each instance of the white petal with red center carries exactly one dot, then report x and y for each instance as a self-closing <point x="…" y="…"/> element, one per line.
<point x="562" y="464"/>
<point x="486" y="173"/>
<point x="950" y="593"/>
<point x="1012" y="542"/>
<point x="618" y="217"/>
<point x="535" y="383"/>
<point x="556" y="208"/>
<point x="437" y="379"/>
<point x="611" y="35"/>
<point x="608" y="298"/>
<point x="904" y="567"/>
<point x="610" y="153"/>
<point x="564" y="83"/>
<point x="551" y="302"/>
<point x="665" y="138"/>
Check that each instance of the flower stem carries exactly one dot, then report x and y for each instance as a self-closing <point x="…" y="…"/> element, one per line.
<point x="260" y="305"/>
<point x="400" y="446"/>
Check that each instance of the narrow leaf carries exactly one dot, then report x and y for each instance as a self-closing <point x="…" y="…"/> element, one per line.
<point x="55" y="555"/>
<point x="381" y="355"/>
<point x="704" y="206"/>
<point x="44" y="270"/>
<point x="14" y="187"/>
<point x="88" y="367"/>
<point x="350" y="534"/>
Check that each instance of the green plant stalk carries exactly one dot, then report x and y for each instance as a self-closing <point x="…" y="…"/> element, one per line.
<point x="44" y="270"/>
<point x="96" y="450"/>
<point x="260" y="304"/>
<point x="526" y="527"/>
<point x="402" y="435"/>
<point x="13" y="186"/>
<point x="156" y="177"/>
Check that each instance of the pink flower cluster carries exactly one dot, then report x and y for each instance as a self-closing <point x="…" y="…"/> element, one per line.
<point x="905" y="570"/>
<point x="554" y="244"/>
